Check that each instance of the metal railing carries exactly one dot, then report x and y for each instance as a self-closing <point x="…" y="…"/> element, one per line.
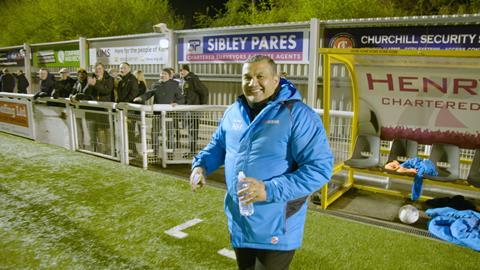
<point x="162" y="134"/>
<point x="146" y="135"/>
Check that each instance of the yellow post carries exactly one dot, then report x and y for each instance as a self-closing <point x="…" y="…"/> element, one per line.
<point x="326" y="116"/>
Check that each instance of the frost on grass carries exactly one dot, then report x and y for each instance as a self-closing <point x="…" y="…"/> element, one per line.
<point x="55" y="238"/>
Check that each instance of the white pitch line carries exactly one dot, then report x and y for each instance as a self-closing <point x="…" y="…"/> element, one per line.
<point x="227" y="253"/>
<point x="177" y="230"/>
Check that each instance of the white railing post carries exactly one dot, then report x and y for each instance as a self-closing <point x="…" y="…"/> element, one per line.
<point x="83" y="47"/>
<point x="123" y="132"/>
<point x="313" y="62"/>
<point x="164" y="139"/>
<point x="171" y="48"/>
<point x="143" y="138"/>
<point x="112" y="135"/>
<point x="72" y="127"/>
<point x="28" y="66"/>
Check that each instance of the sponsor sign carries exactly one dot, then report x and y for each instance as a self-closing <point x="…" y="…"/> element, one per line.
<point x="412" y="38"/>
<point x="57" y="57"/>
<point x="283" y="47"/>
<point x="12" y="58"/>
<point x="428" y="99"/>
<point x="15" y="118"/>
<point x="152" y="51"/>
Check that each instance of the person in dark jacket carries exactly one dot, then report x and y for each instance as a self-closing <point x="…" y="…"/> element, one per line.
<point x="142" y="83"/>
<point x="165" y="91"/>
<point x="127" y="90"/>
<point x="101" y="84"/>
<point x="85" y="126"/>
<point x="128" y="85"/>
<point x="100" y="88"/>
<point x="47" y="83"/>
<point x="64" y="86"/>
<point x="196" y="93"/>
<point x="22" y="82"/>
<point x="7" y="81"/>
<point x="113" y="72"/>
<point x="80" y="88"/>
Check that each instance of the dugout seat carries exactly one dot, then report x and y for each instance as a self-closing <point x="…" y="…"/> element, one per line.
<point x="474" y="173"/>
<point x="366" y="153"/>
<point x="401" y="150"/>
<point x="446" y="158"/>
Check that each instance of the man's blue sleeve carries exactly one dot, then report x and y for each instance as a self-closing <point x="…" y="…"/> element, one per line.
<point x="212" y="156"/>
<point x="411" y="163"/>
<point x="311" y="152"/>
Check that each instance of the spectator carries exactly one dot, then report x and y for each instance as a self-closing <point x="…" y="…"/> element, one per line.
<point x="64" y="86"/>
<point x="85" y="127"/>
<point x="113" y="72"/>
<point x="101" y="84"/>
<point x="80" y="88"/>
<point x="196" y="93"/>
<point x="22" y="82"/>
<point x="126" y="92"/>
<point x="282" y="148"/>
<point x="99" y="88"/>
<point x="7" y="81"/>
<point x="165" y="91"/>
<point x="175" y="76"/>
<point x="47" y="83"/>
<point x="142" y="84"/>
<point x="128" y="85"/>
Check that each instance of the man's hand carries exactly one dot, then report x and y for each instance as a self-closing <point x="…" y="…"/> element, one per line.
<point x="73" y="99"/>
<point x="137" y="100"/>
<point x="197" y="178"/>
<point x="256" y="191"/>
<point x="173" y="104"/>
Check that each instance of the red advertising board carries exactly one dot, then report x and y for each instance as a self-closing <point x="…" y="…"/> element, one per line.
<point x="14" y="113"/>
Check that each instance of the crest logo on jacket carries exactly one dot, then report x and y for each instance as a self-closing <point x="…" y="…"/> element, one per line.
<point x="237" y="125"/>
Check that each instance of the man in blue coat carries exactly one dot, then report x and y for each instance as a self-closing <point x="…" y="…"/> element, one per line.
<point x="281" y="146"/>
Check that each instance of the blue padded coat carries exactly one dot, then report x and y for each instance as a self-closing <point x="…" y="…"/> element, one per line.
<point x="286" y="147"/>
<point x="458" y="227"/>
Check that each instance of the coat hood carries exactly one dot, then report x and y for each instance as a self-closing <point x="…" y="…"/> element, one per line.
<point x="287" y="91"/>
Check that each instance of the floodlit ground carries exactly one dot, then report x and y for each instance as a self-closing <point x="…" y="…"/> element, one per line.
<point x="66" y="210"/>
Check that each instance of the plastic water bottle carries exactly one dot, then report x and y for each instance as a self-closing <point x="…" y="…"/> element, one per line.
<point x="245" y="209"/>
<point x="196" y="178"/>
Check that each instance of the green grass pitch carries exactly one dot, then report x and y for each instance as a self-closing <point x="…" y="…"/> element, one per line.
<point x="66" y="210"/>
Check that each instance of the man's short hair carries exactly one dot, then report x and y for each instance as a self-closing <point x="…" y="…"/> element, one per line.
<point x="263" y="58"/>
<point x="125" y="63"/>
<point x="43" y="68"/>
<point x="186" y="67"/>
<point x="168" y="70"/>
